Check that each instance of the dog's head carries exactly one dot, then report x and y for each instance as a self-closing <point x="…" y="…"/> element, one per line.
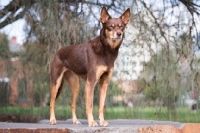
<point x="114" y="27"/>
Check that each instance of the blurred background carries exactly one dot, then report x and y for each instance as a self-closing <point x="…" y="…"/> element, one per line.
<point x="157" y="72"/>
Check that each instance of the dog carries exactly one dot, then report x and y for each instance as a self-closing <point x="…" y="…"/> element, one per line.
<point x="92" y="61"/>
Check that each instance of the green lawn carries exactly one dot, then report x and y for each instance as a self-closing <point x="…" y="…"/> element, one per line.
<point x="147" y="113"/>
<point x="150" y="113"/>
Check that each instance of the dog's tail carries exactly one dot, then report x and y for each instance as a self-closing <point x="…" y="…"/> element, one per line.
<point x="59" y="89"/>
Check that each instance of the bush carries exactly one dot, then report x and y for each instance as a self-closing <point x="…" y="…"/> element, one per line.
<point x="4" y="48"/>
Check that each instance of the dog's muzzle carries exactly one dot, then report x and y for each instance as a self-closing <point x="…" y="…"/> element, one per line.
<point x="117" y="35"/>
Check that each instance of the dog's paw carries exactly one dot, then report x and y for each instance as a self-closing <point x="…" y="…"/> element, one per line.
<point x="103" y="123"/>
<point x="76" y="122"/>
<point x="92" y="124"/>
<point x="52" y="121"/>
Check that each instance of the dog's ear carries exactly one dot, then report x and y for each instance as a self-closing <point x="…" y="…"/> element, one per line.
<point x="104" y="15"/>
<point x="126" y="16"/>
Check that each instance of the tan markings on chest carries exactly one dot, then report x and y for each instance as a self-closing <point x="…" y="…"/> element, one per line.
<point x="100" y="70"/>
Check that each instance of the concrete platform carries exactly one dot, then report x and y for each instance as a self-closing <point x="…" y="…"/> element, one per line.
<point x="116" y="126"/>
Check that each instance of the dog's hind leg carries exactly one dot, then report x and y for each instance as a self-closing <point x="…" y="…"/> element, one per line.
<point x="52" y="104"/>
<point x="73" y="82"/>
<point x="55" y="86"/>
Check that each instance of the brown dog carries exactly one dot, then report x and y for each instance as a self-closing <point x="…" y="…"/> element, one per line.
<point x="90" y="61"/>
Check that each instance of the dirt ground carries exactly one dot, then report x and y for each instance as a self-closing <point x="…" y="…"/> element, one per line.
<point x="188" y="128"/>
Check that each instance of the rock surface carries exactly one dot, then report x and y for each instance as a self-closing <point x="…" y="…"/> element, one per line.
<point x="116" y="126"/>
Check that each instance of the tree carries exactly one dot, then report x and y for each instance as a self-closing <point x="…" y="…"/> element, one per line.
<point x="4" y="47"/>
<point x="10" y="11"/>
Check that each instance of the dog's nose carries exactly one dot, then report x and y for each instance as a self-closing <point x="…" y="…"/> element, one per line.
<point x="119" y="34"/>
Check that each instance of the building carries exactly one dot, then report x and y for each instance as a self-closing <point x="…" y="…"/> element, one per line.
<point x="16" y="87"/>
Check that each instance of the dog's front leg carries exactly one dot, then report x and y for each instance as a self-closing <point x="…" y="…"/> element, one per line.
<point x="103" y="91"/>
<point x="89" y="94"/>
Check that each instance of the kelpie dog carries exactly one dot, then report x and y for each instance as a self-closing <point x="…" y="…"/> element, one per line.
<point x="91" y="61"/>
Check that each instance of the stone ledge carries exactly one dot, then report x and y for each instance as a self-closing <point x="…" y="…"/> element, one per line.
<point x="116" y="126"/>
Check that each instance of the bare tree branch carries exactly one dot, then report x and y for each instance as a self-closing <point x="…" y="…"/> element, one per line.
<point x="192" y="7"/>
<point x="15" y="5"/>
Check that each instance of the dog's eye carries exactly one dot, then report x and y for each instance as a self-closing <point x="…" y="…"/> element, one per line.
<point x="121" y="26"/>
<point x="110" y="27"/>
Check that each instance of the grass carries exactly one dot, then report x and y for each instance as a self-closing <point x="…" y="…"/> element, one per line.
<point x="180" y="114"/>
<point x="148" y="113"/>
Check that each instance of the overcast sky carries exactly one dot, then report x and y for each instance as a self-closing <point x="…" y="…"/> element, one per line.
<point x="14" y="29"/>
<point x="17" y="28"/>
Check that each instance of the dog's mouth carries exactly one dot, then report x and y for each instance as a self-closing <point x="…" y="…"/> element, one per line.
<point x="116" y="38"/>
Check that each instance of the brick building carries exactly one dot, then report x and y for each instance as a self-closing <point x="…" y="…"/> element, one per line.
<point x="16" y="87"/>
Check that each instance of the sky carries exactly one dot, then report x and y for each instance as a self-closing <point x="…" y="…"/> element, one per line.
<point x="17" y="28"/>
<point x="14" y="29"/>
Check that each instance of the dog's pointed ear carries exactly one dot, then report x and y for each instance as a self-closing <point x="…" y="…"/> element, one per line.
<point x="104" y="15"/>
<point x="126" y="16"/>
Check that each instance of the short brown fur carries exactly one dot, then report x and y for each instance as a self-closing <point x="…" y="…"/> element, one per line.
<point x="90" y="61"/>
